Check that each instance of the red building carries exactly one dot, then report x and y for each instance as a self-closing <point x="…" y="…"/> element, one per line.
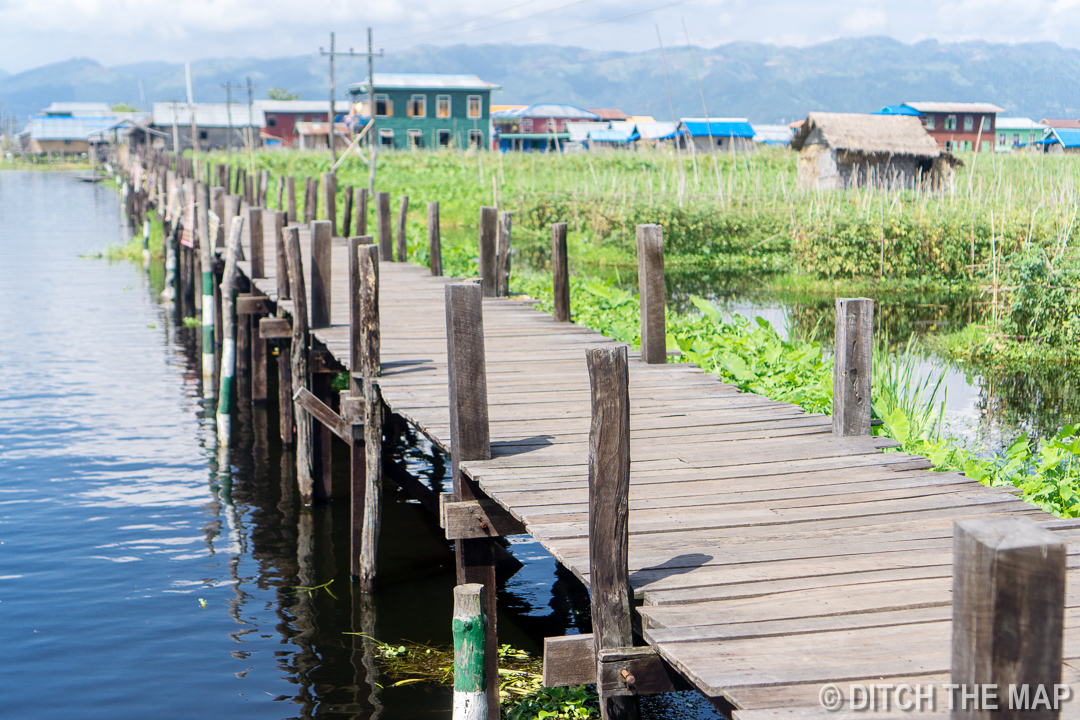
<point x="282" y="116"/>
<point x="959" y="127"/>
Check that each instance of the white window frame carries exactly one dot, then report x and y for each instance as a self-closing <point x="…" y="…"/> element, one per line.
<point x="388" y="105"/>
<point x="969" y="123"/>
<point x="476" y="138"/>
<point x="417" y="107"/>
<point x="929" y="122"/>
<point x="440" y="134"/>
<point x="950" y="122"/>
<point x="415" y="138"/>
<point x="384" y="135"/>
<point x="479" y="111"/>
<point x="439" y="100"/>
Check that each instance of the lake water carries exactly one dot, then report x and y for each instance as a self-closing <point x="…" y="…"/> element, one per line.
<point x="137" y="578"/>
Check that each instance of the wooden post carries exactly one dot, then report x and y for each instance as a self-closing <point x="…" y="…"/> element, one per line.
<point x="502" y="265"/>
<point x="651" y="293"/>
<point x="290" y="195"/>
<point x="228" y="350"/>
<point x="402" y="244"/>
<point x="489" y="219"/>
<point x="264" y="187"/>
<point x="560" y="273"/>
<point x="360" y="205"/>
<point x="321" y="243"/>
<point x="258" y="270"/>
<point x="434" y="241"/>
<point x="1008" y="618"/>
<point x="609" y="513"/>
<point x="470" y="622"/>
<point x="280" y="193"/>
<point x="206" y="288"/>
<point x="305" y="475"/>
<point x="346" y="213"/>
<point x="382" y="218"/>
<point x="470" y="438"/>
<point x="852" y="359"/>
<point x="329" y="181"/>
<point x="285" y="393"/>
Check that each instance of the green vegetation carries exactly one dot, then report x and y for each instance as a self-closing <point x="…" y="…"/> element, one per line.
<point x="277" y="93"/>
<point x="124" y="107"/>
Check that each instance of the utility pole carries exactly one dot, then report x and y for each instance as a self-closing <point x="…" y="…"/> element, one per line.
<point x="228" y="111"/>
<point x="251" y="126"/>
<point x="370" y="55"/>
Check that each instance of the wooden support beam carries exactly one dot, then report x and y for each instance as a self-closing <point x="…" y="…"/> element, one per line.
<point x="271" y="328"/>
<point x="560" y="273"/>
<point x="852" y="359"/>
<point x="609" y="513"/>
<point x="305" y="473"/>
<point x="502" y="264"/>
<point x="434" y="239"/>
<point x="322" y="412"/>
<point x="402" y="240"/>
<point x="484" y="518"/>
<point x="470" y="438"/>
<point x="248" y="304"/>
<point x="572" y="660"/>
<point x="321" y="243"/>
<point x="382" y="219"/>
<point x="489" y="220"/>
<point x="652" y="293"/>
<point x="1008" y="615"/>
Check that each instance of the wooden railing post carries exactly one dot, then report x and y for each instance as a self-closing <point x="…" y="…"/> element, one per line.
<point x="470" y="622"/>
<point x="1008" y="618"/>
<point x="852" y="359"/>
<point x="609" y="513"/>
<point x="470" y="439"/>
<point x="489" y="220"/>
<point x="305" y="473"/>
<point x="229" y="323"/>
<point x="206" y="279"/>
<point x="329" y="181"/>
<point x="502" y="264"/>
<point x="651" y="293"/>
<point x="360" y="206"/>
<point x="258" y="270"/>
<point x="290" y="195"/>
<point x="321" y="244"/>
<point x="382" y="220"/>
<point x="346" y="212"/>
<point x="433" y="238"/>
<point x="285" y="401"/>
<point x="560" y="273"/>
<point x="402" y="241"/>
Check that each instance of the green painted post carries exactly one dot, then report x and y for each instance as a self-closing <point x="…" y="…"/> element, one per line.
<point x="470" y="696"/>
<point x="228" y="327"/>
<point x="206" y="259"/>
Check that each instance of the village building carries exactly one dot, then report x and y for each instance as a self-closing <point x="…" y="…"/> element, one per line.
<point x="778" y="135"/>
<point x="609" y="113"/>
<point x="217" y="126"/>
<point x="538" y="128"/>
<point x="429" y="110"/>
<point x="283" y="116"/>
<point x="71" y="128"/>
<point x="716" y="134"/>
<point x="1062" y="140"/>
<point x="841" y="150"/>
<point x="959" y="126"/>
<point x="1017" y="133"/>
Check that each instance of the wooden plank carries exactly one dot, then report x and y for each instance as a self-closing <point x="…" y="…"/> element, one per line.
<point x="477" y="519"/>
<point x="569" y="660"/>
<point x="247" y="304"/>
<point x="271" y="328"/>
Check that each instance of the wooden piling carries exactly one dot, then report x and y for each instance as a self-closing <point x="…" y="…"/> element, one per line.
<point x="285" y="401"/>
<point x="314" y="195"/>
<point x="366" y="368"/>
<point x="852" y="365"/>
<point x="206" y="291"/>
<point x="560" y="273"/>
<point x="402" y="241"/>
<point x="434" y="240"/>
<point x="280" y="193"/>
<point x="264" y="188"/>
<point x="290" y="196"/>
<point x="360" y="206"/>
<point x="305" y="475"/>
<point x="489" y="219"/>
<point x="346" y="212"/>
<point x="651" y="293"/>
<point x="258" y="270"/>
<point x="329" y="182"/>
<point x="469" y="624"/>
<point x="609" y="513"/>
<point x="470" y="439"/>
<point x="1008" y="616"/>
<point x="382" y="219"/>
<point x="321" y="243"/>
<point x="228" y="314"/>
<point x="502" y="264"/>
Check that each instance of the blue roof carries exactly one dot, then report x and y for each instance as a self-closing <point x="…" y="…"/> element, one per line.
<point x="719" y="128"/>
<point x="1069" y="137"/>
<point x="612" y="136"/>
<point x="65" y="127"/>
<point x="897" y="110"/>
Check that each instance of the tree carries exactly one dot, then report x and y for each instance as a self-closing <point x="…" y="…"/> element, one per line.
<point x="281" y="94"/>
<point x="123" y="107"/>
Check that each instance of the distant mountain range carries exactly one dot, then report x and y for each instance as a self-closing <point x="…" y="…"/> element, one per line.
<point x="766" y="83"/>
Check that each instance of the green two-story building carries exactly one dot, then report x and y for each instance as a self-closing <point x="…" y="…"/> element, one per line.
<point x="420" y="110"/>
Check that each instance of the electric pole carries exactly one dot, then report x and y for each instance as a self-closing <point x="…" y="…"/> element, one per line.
<point x="370" y="55"/>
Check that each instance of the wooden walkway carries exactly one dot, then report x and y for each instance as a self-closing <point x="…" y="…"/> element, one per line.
<point x="769" y="555"/>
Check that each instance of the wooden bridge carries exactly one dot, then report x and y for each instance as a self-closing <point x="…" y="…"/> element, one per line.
<point x="767" y="555"/>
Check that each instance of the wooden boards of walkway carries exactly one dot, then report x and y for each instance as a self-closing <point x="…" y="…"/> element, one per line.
<point x="769" y="555"/>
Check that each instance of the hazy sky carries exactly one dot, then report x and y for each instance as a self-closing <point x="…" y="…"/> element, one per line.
<point x="37" y="32"/>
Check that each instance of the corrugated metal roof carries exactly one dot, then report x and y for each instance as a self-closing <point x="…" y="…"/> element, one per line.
<point x="579" y="131"/>
<point x="957" y="107"/>
<point x="207" y="115"/>
<point x="718" y="127"/>
<point x="78" y="108"/>
<point x="609" y="113"/>
<point x="616" y="136"/>
<point x="1017" y="123"/>
<point x="1068" y="137"/>
<point x="549" y="110"/>
<point x="301" y="106"/>
<point x="897" y="110"/>
<point x="45" y="127"/>
<point x="773" y="134"/>
<point x="423" y="81"/>
<point x="657" y="130"/>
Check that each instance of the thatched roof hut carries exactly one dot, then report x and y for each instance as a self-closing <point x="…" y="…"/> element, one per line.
<point x="839" y="150"/>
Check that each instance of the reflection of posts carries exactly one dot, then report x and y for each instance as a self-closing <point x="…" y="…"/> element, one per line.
<point x="363" y="652"/>
<point x="470" y="439"/>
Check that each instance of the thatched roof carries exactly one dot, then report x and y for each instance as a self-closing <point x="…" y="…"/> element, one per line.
<point x="869" y="134"/>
